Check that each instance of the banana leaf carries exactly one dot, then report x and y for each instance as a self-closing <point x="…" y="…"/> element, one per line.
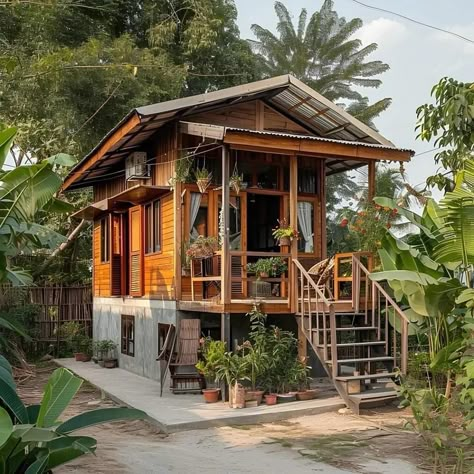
<point x="6" y="426"/>
<point x="6" y="141"/>
<point x="5" y="364"/>
<point x="7" y="377"/>
<point x="63" y="450"/>
<point x="12" y="401"/>
<point x="61" y="388"/>
<point x="39" y="466"/>
<point x="102" y="415"/>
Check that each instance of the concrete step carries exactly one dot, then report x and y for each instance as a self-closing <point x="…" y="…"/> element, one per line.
<point x="373" y="395"/>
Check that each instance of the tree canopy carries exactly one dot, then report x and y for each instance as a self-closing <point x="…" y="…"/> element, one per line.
<point x="323" y="53"/>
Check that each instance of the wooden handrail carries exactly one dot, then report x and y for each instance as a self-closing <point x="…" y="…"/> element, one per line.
<point x="312" y="283"/>
<point x="379" y="287"/>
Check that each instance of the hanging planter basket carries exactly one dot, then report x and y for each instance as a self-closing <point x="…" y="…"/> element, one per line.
<point x="203" y="184"/>
<point x="284" y="241"/>
<point x="235" y="183"/>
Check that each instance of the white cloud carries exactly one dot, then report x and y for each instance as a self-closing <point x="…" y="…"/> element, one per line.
<point x="384" y="31"/>
<point x="452" y="41"/>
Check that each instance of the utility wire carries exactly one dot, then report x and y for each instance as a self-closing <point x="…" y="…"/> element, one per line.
<point x="464" y="38"/>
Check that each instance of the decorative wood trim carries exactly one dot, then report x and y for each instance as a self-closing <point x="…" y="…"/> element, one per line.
<point x="132" y="122"/>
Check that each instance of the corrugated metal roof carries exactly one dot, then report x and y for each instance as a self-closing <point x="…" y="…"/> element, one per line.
<point x="311" y="137"/>
<point x="286" y="94"/>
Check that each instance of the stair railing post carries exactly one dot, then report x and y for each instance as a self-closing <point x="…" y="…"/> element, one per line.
<point x="332" y="323"/>
<point x="404" y="347"/>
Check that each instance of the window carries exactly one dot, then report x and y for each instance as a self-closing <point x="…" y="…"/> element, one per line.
<point x="152" y="227"/>
<point x="104" y="240"/>
<point x="128" y="335"/>
<point x="162" y="333"/>
<point x="306" y="226"/>
<point x="197" y="215"/>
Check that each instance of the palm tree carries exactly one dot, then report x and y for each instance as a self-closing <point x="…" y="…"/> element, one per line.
<point x="323" y="54"/>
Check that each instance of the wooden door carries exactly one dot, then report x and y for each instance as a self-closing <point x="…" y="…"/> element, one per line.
<point x="136" y="251"/>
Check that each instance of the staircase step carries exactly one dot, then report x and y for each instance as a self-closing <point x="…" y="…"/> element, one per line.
<point x="373" y="395"/>
<point x="349" y="328"/>
<point x="365" y="359"/>
<point x="381" y="375"/>
<point x="361" y="344"/>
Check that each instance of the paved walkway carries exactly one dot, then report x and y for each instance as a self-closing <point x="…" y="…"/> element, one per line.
<point x="187" y="412"/>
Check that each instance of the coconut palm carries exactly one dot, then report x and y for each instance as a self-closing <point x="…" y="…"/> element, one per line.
<point x="322" y="53"/>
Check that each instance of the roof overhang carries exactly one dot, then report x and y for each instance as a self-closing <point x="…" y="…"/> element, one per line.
<point x="121" y="201"/>
<point x="285" y="94"/>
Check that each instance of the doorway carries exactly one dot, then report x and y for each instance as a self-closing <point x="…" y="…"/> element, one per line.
<point x="263" y="211"/>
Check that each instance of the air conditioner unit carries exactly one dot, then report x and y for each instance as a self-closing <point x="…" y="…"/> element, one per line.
<point x="136" y="166"/>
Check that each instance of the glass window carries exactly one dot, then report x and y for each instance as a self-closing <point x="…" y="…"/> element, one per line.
<point x="128" y="335"/>
<point x="152" y="227"/>
<point x="306" y="226"/>
<point x="267" y="177"/>
<point x="235" y="224"/>
<point x="198" y="215"/>
<point x="104" y="240"/>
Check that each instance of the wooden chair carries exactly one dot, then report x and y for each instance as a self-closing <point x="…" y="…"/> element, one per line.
<point x="184" y="376"/>
<point x="321" y="274"/>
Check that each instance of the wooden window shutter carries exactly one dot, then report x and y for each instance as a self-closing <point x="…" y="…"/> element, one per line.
<point x="136" y="251"/>
<point x="116" y="259"/>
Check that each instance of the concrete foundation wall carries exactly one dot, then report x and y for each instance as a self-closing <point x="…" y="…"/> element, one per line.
<point x="148" y="313"/>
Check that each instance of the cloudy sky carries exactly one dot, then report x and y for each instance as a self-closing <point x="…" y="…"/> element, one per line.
<point x="418" y="56"/>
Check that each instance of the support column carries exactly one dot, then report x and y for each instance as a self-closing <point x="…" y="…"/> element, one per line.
<point x="293" y="290"/>
<point x="322" y="201"/>
<point x="225" y="336"/>
<point x="178" y="222"/>
<point x="371" y="180"/>
<point x="225" y="258"/>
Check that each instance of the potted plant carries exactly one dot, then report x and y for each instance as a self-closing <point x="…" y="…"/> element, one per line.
<point x="109" y="356"/>
<point x="203" y="179"/>
<point x="265" y="267"/>
<point x="212" y="355"/>
<point x="301" y="380"/>
<point x="284" y="233"/>
<point x="236" y="182"/>
<point x="232" y="369"/>
<point x="202" y="247"/>
<point x="77" y="341"/>
<point x="257" y="359"/>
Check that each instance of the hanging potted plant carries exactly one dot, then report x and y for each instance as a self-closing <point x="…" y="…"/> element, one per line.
<point x="203" y="179"/>
<point x="284" y="233"/>
<point x="236" y="182"/>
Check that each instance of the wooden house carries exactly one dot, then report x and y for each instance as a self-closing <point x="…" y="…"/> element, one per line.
<point x="283" y="140"/>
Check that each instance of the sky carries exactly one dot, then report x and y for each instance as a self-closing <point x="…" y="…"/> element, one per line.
<point x="418" y="57"/>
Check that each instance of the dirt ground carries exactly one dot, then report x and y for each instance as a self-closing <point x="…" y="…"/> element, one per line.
<point x="332" y="443"/>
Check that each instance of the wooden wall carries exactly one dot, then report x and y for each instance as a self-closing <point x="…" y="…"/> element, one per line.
<point x="109" y="188"/>
<point x="164" y="149"/>
<point x="158" y="267"/>
<point x="245" y="116"/>
<point x="101" y="271"/>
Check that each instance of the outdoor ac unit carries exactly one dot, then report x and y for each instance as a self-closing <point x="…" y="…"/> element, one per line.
<point x="136" y="166"/>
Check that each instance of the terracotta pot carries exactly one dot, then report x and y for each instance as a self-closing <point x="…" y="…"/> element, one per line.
<point x="251" y="404"/>
<point x="79" y="356"/>
<point x="255" y="395"/>
<point x="284" y="241"/>
<point x="263" y="274"/>
<point x="271" y="399"/>
<point x="110" y="363"/>
<point x="86" y="358"/>
<point x="305" y="395"/>
<point x="211" y="395"/>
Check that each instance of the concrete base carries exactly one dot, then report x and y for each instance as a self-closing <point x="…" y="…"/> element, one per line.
<point x="174" y="413"/>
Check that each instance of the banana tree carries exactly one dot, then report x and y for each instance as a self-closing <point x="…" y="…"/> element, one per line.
<point x="32" y="439"/>
<point x="26" y="194"/>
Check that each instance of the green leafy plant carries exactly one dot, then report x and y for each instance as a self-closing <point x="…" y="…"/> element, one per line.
<point x="273" y="266"/>
<point x="284" y="230"/>
<point x="105" y="349"/>
<point x="212" y="356"/>
<point x="33" y="439"/>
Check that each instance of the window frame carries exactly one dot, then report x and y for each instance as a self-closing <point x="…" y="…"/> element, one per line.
<point x="127" y="336"/>
<point x="152" y="213"/>
<point x="314" y="201"/>
<point x="105" y="240"/>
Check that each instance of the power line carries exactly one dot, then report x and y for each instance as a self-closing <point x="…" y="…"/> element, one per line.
<point x="464" y="38"/>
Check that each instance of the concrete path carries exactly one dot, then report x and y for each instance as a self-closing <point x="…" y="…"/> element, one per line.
<point x="187" y="412"/>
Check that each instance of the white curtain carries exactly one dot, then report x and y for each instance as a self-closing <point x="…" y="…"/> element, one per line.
<point x="195" y="204"/>
<point x="305" y="224"/>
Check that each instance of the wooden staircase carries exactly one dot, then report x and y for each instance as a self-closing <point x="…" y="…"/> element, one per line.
<point x="360" y="350"/>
